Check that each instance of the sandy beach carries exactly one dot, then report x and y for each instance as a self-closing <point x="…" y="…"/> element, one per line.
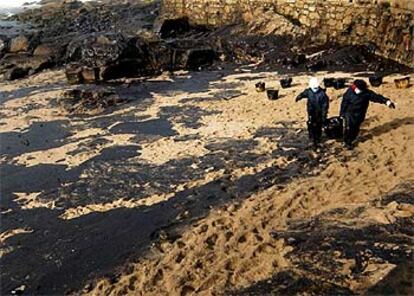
<point x="200" y="185"/>
<point x="137" y="156"/>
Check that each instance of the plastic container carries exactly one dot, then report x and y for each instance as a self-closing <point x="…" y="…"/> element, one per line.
<point x="329" y="82"/>
<point x="260" y="86"/>
<point x="273" y="94"/>
<point x="286" y="82"/>
<point x="339" y="83"/>
<point x="375" y="81"/>
<point x="402" y="82"/>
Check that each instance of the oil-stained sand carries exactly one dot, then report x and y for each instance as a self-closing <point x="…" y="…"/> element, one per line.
<point x="201" y="185"/>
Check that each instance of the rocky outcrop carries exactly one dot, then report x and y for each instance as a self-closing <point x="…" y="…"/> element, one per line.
<point x="102" y="57"/>
<point x="389" y="25"/>
<point x="16" y="66"/>
<point x="65" y="17"/>
<point x="22" y="55"/>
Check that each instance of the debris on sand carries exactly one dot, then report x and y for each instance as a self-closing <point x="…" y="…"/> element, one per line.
<point x="260" y="86"/>
<point x="77" y="101"/>
<point x="402" y="82"/>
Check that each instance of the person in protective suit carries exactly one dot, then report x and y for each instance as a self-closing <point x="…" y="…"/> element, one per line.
<point x="354" y="108"/>
<point x="317" y="107"/>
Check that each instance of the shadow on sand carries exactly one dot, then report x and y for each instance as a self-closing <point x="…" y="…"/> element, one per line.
<point x="62" y="255"/>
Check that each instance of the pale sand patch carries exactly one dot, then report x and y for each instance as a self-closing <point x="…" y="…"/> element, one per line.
<point x="77" y="212"/>
<point x="10" y="233"/>
<point x="373" y="274"/>
<point x="66" y="155"/>
<point x="38" y="90"/>
<point x="31" y="201"/>
<point x="86" y="133"/>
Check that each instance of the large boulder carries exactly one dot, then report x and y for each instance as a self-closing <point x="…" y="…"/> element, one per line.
<point x="46" y="50"/>
<point x="102" y="57"/>
<point x="25" y="43"/>
<point x="19" y="44"/>
<point x="78" y="74"/>
<point x="97" y="50"/>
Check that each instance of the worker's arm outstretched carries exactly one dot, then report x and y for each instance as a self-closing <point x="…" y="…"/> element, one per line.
<point x="376" y="98"/>
<point x="302" y="95"/>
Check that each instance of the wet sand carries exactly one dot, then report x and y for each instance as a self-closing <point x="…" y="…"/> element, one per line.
<point x="200" y="185"/>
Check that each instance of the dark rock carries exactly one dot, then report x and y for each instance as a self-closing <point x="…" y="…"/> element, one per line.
<point x="45" y="50"/>
<point x="114" y="56"/>
<point x="96" y="50"/>
<point x="299" y="60"/>
<point x="354" y="57"/>
<point x="16" y="73"/>
<point x="316" y="66"/>
<point x="25" y="61"/>
<point x="109" y="56"/>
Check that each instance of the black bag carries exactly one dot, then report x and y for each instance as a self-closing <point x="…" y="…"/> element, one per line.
<point x="334" y="127"/>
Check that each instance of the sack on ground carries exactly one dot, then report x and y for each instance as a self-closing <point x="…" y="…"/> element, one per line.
<point x="334" y="127"/>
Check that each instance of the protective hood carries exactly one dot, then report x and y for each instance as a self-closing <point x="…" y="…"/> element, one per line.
<point x="314" y="84"/>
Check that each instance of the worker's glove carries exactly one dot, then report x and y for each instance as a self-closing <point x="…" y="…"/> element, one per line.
<point x="390" y="104"/>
